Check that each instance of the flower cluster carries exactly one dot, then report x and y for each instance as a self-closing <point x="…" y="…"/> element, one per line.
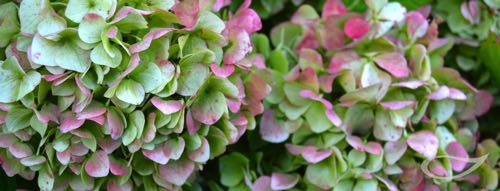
<point x="123" y="94"/>
<point x="363" y="102"/>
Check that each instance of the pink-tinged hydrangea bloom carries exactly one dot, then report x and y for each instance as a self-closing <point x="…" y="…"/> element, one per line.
<point x="356" y="28"/>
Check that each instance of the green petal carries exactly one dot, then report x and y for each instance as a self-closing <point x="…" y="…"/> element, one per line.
<point x="130" y="91"/>
<point x="99" y="56"/>
<point x="77" y="9"/>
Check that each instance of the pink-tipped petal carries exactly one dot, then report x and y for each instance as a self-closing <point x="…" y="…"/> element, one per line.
<point x="70" y="122"/>
<point x="98" y="164"/>
<point x="270" y="129"/>
<point x="442" y="92"/>
<point x="263" y="183"/>
<point x="224" y="71"/>
<point x="167" y="107"/>
<point x="456" y="149"/>
<point x="156" y="155"/>
<point x="394" y="63"/>
<point x="425" y="143"/>
<point x="281" y="181"/>
<point x="177" y="172"/>
<point x="396" y="105"/>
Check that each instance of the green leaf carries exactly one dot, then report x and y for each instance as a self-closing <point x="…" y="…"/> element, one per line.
<point x="133" y="21"/>
<point x="231" y="168"/>
<point x="31" y="13"/>
<point x="64" y="52"/>
<point x="261" y="44"/>
<point x="136" y="122"/>
<point x="192" y="76"/>
<point x="321" y="174"/>
<point x="77" y="9"/>
<point x="148" y="75"/>
<point x="99" y="56"/>
<point x="14" y="82"/>
<point x="209" y="107"/>
<point x="9" y="26"/>
<point x="413" y="4"/>
<point x="38" y="126"/>
<point x="164" y="5"/>
<point x="210" y="21"/>
<point x="17" y="118"/>
<point x="46" y="178"/>
<point x="366" y="185"/>
<point x="384" y="129"/>
<point x="91" y="28"/>
<point x="488" y="54"/>
<point x="442" y="110"/>
<point x="130" y="91"/>
<point x="317" y="119"/>
<point x="356" y="158"/>
<point x="278" y="61"/>
<point x="286" y="34"/>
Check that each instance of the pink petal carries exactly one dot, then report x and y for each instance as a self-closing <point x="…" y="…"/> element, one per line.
<point x="396" y="105"/>
<point x="456" y="94"/>
<point x="135" y="60"/>
<point x="356" y="28"/>
<point x="191" y="123"/>
<point x="115" y="125"/>
<point x="150" y="131"/>
<point x="245" y="19"/>
<point x="416" y="24"/>
<point x="437" y="168"/>
<point x="272" y="130"/>
<point x="156" y="155"/>
<point x="99" y="119"/>
<point x="109" y="145"/>
<point x="241" y="46"/>
<point x="219" y="4"/>
<point x="394" y="151"/>
<point x="118" y="167"/>
<point x="85" y="91"/>
<point x="332" y="8"/>
<point x="70" y="122"/>
<point x="64" y="156"/>
<point x="167" y="107"/>
<point x="78" y="149"/>
<point x="310" y="153"/>
<point x="93" y="110"/>
<point x="187" y="11"/>
<point x="470" y="10"/>
<point x="414" y="84"/>
<point x="281" y="181"/>
<point x="394" y="63"/>
<point x="332" y="37"/>
<point x="425" y="143"/>
<point x="233" y="105"/>
<point x="174" y="148"/>
<point x="263" y="183"/>
<point x="125" y="11"/>
<point x="202" y="154"/>
<point x="437" y="43"/>
<point x="6" y="140"/>
<point x="456" y="149"/>
<point x="148" y="38"/>
<point x="483" y="100"/>
<point x="333" y="117"/>
<point x="442" y="92"/>
<point x="53" y="77"/>
<point x="112" y="32"/>
<point x="177" y="172"/>
<point x="371" y="147"/>
<point x="326" y="83"/>
<point x="223" y="72"/>
<point x="97" y="165"/>
<point x="20" y="150"/>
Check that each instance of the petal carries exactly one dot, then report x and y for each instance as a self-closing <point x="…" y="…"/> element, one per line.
<point x="97" y="165"/>
<point x="224" y="71"/>
<point x="425" y="143"/>
<point x="156" y="155"/>
<point x="263" y="183"/>
<point x="394" y="63"/>
<point x="177" y="172"/>
<point x="456" y="149"/>
<point x="414" y="84"/>
<point x="167" y="107"/>
<point x="356" y="28"/>
<point x="70" y="122"/>
<point x="281" y="181"/>
<point x="441" y="93"/>
<point x="396" y="105"/>
<point x="416" y="24"/>
<point x="270" y="129"/>
<point x="118" y="167"/>
<point x="332" y="8"/>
